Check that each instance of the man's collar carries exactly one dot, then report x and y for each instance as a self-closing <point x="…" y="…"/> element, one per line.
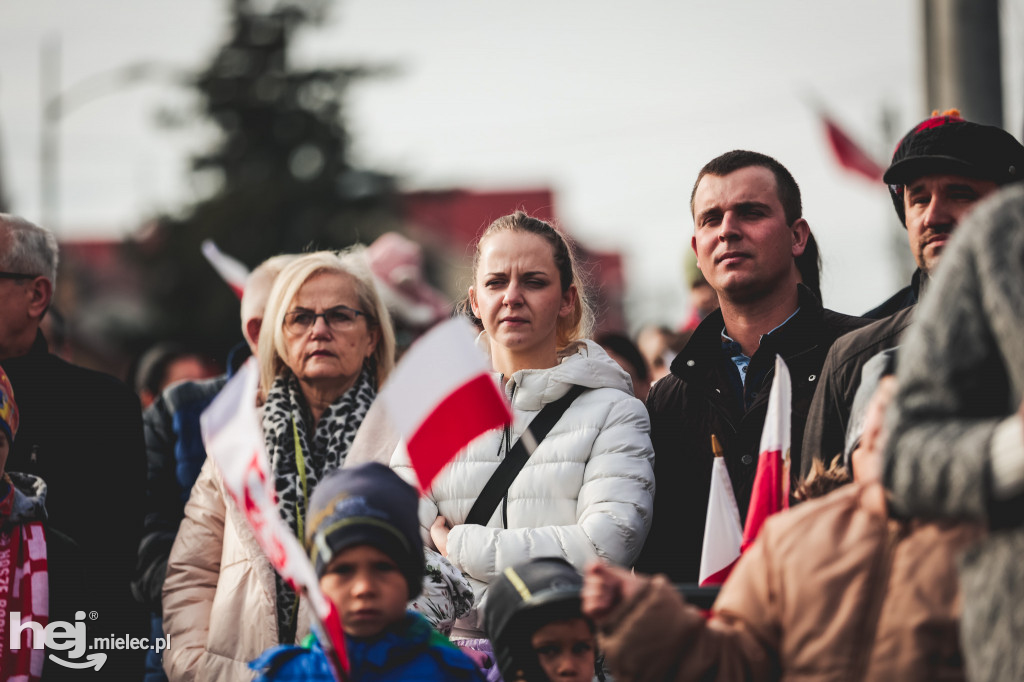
<point x="918" y="283"/>
<point x="728" y="340"/>
<point x="39" y="345"/>
<point x="705" y="343"/>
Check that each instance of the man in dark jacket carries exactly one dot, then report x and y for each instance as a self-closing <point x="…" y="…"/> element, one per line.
<point x="748" y="235"/>
<point x="940" y="170"/>
<point x="81" y="432"/>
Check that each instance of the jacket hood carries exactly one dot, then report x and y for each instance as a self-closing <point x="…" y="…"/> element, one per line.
<point x="583" y="363"/>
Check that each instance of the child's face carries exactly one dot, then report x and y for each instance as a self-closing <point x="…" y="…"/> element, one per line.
<point x="367" y="588"/>
<point x="565" y="649"/>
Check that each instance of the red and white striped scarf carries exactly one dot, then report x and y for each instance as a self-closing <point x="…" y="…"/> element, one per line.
<point x="24" y="588"/>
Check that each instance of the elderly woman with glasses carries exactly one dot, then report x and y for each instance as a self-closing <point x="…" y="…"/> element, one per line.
<point x="325" y="346"/>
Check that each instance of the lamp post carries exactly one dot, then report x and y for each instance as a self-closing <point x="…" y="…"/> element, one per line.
<point x="57" y="104"/>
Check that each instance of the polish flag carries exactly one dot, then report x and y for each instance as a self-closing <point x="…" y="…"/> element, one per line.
<point x="441" y="396"/>
<point x="231" y="270"/>
<point x="233" y="437"/>
<point x="849" y="154"/>
<point x="771" y="483"/>
<point x="723" y="532"/>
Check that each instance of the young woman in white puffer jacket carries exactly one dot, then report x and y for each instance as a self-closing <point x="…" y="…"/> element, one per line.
<point x="587" y="491"/>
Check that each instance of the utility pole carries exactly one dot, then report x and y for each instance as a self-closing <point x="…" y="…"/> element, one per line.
<point x="4" y="208"/>
<point x="49" y="140"/>
<point x="962" y="66"/>
<point x="57" y="103"/>
<point x="902" y="264"/>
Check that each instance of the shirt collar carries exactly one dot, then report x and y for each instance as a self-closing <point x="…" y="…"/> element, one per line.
<point x="730" y="344"/>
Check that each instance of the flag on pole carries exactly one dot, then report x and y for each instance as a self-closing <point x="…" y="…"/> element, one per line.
<point x="441" y="396"/>
<point x="771" y="483"/>
<point x="231" y="270"/>
<point x="723" y="533"/>
<point x="849" y="154"/>
<point x="234" y="439"/>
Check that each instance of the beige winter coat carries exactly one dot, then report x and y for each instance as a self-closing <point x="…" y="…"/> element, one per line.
<point x="832" y="591"/>
<point x="219" y="594"/>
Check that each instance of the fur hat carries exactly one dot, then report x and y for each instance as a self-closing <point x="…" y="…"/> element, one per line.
<point x="521" y="600"/>
<point x="947" y="144"/>
<point x="8" y="408"/>
<point x="370" y="505"/>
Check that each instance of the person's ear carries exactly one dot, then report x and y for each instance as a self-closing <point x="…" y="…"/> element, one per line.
<point x="472" y="303"/>
<point x="374" y="340"/>
<point x="569" y="297"/>
<point x="40" y="295"/>
<point x="801" y="232"/>
<point x="252" y="331"/>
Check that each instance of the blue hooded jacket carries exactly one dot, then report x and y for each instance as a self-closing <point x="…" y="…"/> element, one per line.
<point x="409" y="651"/>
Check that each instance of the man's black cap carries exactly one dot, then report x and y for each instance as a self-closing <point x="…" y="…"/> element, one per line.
<point x="946" y="144"/>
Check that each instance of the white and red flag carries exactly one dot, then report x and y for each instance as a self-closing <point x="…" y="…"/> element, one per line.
<point x="441" y="396"/>
<point x="231" y="270"/>
<point x="723" y="532"/>
<point x="771" y="483"/>
<point x="234" y="439"/>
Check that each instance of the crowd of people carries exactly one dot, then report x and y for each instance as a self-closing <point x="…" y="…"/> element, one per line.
<point x="555" y="547"/>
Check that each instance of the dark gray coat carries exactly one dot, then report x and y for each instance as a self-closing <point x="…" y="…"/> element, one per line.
<point x="961" y="376"/>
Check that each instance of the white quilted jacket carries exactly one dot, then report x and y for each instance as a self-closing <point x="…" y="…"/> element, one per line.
<point x="586" y="492"/>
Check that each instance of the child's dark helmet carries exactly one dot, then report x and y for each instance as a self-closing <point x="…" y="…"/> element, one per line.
<point x="520" y="601"/>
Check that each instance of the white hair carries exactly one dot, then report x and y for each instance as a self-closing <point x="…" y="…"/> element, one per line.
<point x="258" y="284"/>
<point x="31" y="250"/>
<point x="351" y="262"/>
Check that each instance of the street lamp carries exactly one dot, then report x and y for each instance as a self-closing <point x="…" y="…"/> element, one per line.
<point x="56" y="105"/>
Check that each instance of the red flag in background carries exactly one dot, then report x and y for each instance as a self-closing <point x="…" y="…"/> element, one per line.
<point x="771" y="483"/>
<point x="441" y="396"/>
<point x="849" y="154"/>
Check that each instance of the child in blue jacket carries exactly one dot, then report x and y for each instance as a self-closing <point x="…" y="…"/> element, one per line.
<point x="365" y="543"/>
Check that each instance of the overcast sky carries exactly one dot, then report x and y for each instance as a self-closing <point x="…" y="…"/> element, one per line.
<point x="614" y="105"/>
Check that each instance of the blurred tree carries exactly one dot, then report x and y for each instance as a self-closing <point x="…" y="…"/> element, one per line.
<point x="278" y="179"/>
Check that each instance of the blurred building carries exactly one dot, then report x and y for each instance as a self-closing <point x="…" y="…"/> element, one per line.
<point x="447" y="223"/>
<point x="108" y="323"/>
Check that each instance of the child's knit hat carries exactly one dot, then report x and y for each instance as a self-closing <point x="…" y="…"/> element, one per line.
<point x="370" y="505"/>
<point x="8" y="408"/>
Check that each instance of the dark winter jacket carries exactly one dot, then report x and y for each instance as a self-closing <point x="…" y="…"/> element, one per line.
<point x="825" y="435"/>
<point x="410" y="652"/>
<point x="174" y="456"/>
<point x="81" y="432"/>
<point x="698" y="399"/>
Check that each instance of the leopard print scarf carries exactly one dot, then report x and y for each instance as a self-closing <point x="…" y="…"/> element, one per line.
<point x="323" y="453"/>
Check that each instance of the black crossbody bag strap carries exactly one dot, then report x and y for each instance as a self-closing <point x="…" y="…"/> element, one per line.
<point x="515" y="460"/>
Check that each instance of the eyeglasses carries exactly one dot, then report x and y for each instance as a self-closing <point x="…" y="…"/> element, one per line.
<point x="339" y="318"/>
<point x="16" y="275"/>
